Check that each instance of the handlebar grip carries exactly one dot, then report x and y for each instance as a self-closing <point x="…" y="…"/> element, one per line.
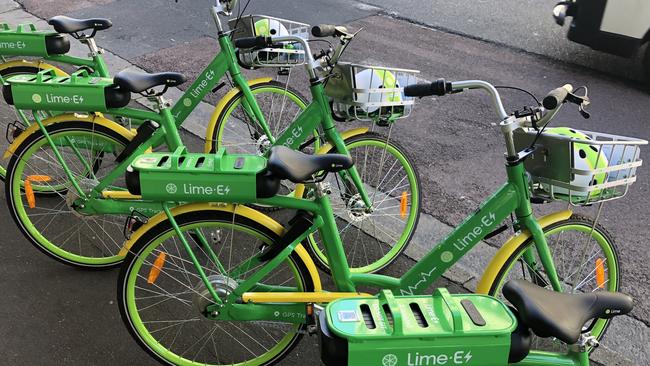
<point x="556" y="97"/>
<point x="328" y="30"/>
<point x="439" y="87"/>
<point x="323" y="30"/>
<point x="253" y="42"/>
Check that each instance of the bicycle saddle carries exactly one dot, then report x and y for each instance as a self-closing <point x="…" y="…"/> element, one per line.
<point x="63" y="24"/>
<point x="555" y="314"/>
<point x="285" y="163"/>
<point x="137" y="82"/>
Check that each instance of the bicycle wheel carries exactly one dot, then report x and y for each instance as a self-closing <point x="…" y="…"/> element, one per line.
<point x="7" y="112"/>
<point x="585" y="258"/>
<point x="51" y="222"/>
<point x="373" y="239"/>
<point x="165" y="316"/>
<point x="238" y="133"/>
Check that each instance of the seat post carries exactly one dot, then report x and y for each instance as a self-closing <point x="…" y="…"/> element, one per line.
<point x="95" y="53"/>
<point x="92" y="46"/>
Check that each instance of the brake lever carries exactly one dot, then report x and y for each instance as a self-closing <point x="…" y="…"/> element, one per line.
<point x="582" y="103"/>
<point x="583" y="111"/>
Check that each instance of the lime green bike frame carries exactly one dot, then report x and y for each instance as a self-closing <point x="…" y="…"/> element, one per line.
<point x="512" y="197"/>
<point x="317" y="114"/>
<point x="225" y="61"/>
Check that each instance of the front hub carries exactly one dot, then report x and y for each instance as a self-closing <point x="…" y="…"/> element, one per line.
<point x="356" y="208"/>
<point x="263" y="144"/>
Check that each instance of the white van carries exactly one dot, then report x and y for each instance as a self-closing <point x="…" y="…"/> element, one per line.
<point x="619" y="27"/>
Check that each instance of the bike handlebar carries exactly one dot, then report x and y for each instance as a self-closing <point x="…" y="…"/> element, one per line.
<point x="556" y="97"/>
<point x="439" y="87"/>
<point x="328" y="30"/>
<point x="253" y="42"/>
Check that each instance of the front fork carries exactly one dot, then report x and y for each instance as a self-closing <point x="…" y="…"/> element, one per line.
<point x="544" y="253"/>
<point x="251" y="108"/>
<point x="335" y="139"/>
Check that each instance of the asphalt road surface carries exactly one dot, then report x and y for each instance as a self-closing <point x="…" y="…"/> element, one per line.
<point x="54" y="315"/>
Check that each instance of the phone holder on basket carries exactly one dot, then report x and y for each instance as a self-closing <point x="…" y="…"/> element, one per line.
<point x="370" y="93"/>
<point x="282" y="55"/>
<point x="596" y="167"/>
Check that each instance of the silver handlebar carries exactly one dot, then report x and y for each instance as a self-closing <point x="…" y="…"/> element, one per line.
<point x="547" y="115"/>
<point x="311" y="63"/>
<point x="480" y="84"/>
<point x="508" y="123"/>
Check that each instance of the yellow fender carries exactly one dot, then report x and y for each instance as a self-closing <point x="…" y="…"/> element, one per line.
<point x="221" y="106"/>
<point x="506" y="251"/>
<point x="37" y="64"/>
<point x="242" y="210"/>
<point x="97" y="119"/>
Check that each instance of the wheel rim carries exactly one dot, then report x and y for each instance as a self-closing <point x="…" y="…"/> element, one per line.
<point x="280" y="108"/>
<point x="576" y="274"/>
<point x="160" y="344"/>
<point x="374" y="227"/>
<point x="95" y="236"/>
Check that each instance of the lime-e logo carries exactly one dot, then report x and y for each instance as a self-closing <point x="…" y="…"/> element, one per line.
<point x="62" y="99"/>
<point x="457" y="358"/>
<point x="12" y="45"/>
<point x="389" y="360"/>
<point x="446" y="256"/>
<point x="219" y="190"/>
<point x="203" y="84"/>
<point x="36" y="98"/>
<point x="187" y="102"/>
<point x="296" y="134"/>
<point x="486" y="221"/>
<point x="171" y="188"/>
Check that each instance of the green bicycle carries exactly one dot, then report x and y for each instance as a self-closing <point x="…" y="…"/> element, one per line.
<point x="48" y="150"/>
<point x="464" y="329"/>
<point x="219" y="284"/>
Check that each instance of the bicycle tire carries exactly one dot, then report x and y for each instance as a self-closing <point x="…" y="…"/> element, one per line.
<point x="154" y="239"/>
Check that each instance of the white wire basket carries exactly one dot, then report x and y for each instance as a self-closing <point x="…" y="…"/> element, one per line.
<point x="285" y="54"/>
<point x="596" y="167"/>
<point x="370" y="93"/>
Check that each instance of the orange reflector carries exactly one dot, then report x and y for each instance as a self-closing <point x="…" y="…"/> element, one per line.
<point x="29" y="191"/>
<point x="600" y="273"/>
<point x="156" y="268"/>
<point x="403" y="204"/>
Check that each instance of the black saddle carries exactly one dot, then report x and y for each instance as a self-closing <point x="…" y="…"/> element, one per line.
<point x="63" y="24"/>
<point x="138" y="82"/>
<point x="560" y="315"/>
<point x="298" y="167"/>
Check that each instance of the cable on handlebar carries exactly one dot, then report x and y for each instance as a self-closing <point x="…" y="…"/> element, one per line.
<point x="521" y="90"/>
<point x="239" y="15"/>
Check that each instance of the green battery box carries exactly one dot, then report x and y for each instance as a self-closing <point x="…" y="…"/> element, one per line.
<point x="78" y="92"/>
<point x="442" y="329"/>
<point x="26" y="40"/>
<point x="187" y="177"/>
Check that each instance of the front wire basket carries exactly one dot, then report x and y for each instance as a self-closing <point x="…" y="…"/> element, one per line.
<point x="283" y="55"/>
<point x="596" y="167"/>
<point x="370" y="93"/>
